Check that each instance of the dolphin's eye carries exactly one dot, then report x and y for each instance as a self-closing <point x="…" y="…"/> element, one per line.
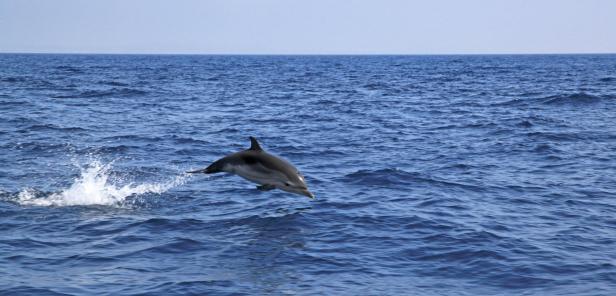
<point x="287" y="184"/>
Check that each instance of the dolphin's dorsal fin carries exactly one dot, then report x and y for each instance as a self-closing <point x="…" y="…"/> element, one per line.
<point x="254" y="145"/>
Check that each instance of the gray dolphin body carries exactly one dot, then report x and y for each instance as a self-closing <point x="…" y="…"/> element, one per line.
<point x="258" y="166"/>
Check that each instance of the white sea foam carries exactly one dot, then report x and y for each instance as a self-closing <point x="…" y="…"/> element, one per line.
<point x="94" y="187"/>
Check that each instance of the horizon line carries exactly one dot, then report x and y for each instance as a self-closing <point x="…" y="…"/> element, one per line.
<point x="303" y="54"/>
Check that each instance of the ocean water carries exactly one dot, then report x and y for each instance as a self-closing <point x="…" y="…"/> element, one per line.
<point x="434" y="175"/>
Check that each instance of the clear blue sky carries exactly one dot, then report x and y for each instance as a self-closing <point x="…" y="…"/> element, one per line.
<point x="308" y="26"/>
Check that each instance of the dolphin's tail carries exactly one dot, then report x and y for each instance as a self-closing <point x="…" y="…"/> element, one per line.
<point x="215" y="167"/>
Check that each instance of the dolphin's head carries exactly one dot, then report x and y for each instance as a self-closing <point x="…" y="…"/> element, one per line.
<point x="296" y="184"/>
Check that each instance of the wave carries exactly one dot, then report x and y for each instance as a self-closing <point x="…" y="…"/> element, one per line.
<point x="556" y="136"/>
<point x="514" y="102"/>
<point x="43" y="127"/>
<point x="70" y="69"/>
<point x="573" y="99"/>
<point x="35" y="147"/>
<point x="380" y="177"/>
<point x="178" y="245"/>
<point x="113" y="92"/>
<point x="108" y="149"/>
<point x="375" y="86"/>
<point x="188" y="140"/>
<point x="7" y="104"/>
<point x="14" y="79"/>
<point x="113" y="83"/>
<point x="545" y="148"/>
<point x="392" y="177"/>
<point x="525" y="124"/>
<point x="94" y="187"/>
<point x="132" y="137"/>
<point x="30" y="290"/>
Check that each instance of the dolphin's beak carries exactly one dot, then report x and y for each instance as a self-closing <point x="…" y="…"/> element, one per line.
<point x="308" y="193"/>
<point x="300" y="190"/>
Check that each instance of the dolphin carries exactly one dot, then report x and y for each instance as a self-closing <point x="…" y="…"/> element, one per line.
<point x="258" y="166"/>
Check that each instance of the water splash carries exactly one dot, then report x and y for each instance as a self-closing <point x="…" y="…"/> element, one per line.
<point x="94" y="187"/>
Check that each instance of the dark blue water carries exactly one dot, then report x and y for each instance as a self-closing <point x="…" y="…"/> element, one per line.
<point x="434" y="175"/>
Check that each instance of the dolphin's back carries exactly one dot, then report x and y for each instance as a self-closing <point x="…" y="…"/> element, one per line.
<point x="246" y="157"/>
<point x="252" y="158"/>
<point x="268" y="161"/>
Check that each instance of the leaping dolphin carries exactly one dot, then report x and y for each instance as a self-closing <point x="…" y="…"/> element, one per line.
<point x="258" y="166"/>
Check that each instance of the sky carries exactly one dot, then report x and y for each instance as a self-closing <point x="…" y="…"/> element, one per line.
<point x="308" y="26"/>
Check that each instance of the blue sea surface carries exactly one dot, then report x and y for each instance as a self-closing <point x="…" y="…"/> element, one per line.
<point x="434" y="175"/>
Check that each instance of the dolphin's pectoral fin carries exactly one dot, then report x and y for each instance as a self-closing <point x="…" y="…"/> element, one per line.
<point x="266" y="187"/>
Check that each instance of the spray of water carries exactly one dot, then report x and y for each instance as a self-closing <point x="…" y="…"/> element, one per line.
<point x="93" y="187"/>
